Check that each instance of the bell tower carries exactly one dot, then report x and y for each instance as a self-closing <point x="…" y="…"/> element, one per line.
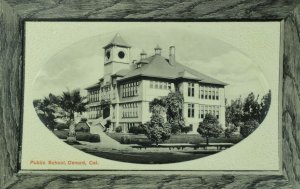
<point x="116" y="56"/>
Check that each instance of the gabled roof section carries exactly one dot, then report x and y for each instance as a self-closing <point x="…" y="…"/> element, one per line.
<point x="121" y="73"/>
<point x="93" y="86"/>
<point x="117" y="41"/>
<point x="159" y="67"/>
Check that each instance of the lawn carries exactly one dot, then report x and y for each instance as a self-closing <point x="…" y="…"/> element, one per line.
<point x="128" y="138"/>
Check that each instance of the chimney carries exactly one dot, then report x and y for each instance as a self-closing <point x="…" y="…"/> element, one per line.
<point x="172" y="55"/>
<point x="157" y="50"/>
<point x="143" y="55"/>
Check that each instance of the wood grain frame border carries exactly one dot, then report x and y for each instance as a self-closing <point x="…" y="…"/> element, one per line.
<point x="12" y="16"/>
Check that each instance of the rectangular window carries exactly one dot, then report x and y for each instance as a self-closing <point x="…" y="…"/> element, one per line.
<point x="191" y="110"/>
<point x="169" y="86"/>
<point x="191" y="89"/>
<point x="205" y="93"/>
<point x="165" y="85"/>
<point x="156" y="84"/>
<point x="217" y="93"/>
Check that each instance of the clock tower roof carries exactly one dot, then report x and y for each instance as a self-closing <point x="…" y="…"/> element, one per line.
<point x="117" y="41"/>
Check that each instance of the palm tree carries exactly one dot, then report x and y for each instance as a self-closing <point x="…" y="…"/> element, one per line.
<point x="71" y="102"/>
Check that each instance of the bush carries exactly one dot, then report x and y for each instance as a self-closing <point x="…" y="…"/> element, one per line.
<point x="82" y="127"/>
<point x="137" y="130"/>
<point x="187" y="129"/>
<point x="248" y="127"/>
<point x="61" y="126"/>
<point x="61" y="134"/>
<point x="118" y="129"/>
<point x="125" y="140"/>
<point x="230" y="129"/>
<point x="87" y="137"/>
<point x="157" y="130"/>
<point x="83" y="120"/>
<point x="107" y="124"/>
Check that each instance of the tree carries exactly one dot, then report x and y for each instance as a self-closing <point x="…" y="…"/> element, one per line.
<point x="157" y="130"/>
<point x="174" y="102"/>
<point x="234" y="112"/>
<point x="171" y="106"/>
<point x="209" y="127"/>
<point x="46" y="110"/>
<point x="158" y="105"/>
<point x="248" y="127"/>
<point x="265" y="105"/>
<point x="233" y="116"/>
<point x="251" y="108"/>
<point x="71" y="102"/>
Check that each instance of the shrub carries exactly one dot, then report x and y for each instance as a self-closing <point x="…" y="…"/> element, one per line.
<point x="248" y="127"/>
<point x="83" y="120"/>
<point x="230" y="129"/>
<point x="87" y="137"/>
<point x="157" y="130"/>
<point x="118" y="129"/>
<point x="61" y="126"/>
<point x="187" y="129"/>
<point x="107" y="124"/>
<point x="82" y="127"/>
<point x="137" y="130"/>
<point x="125" y="140"/>
<point x="61" y="134"/>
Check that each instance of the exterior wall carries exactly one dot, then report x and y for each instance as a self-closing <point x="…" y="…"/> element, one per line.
<point x="147" y="94"/>
<point x="198" y="101"/>
<point x="151" y="93"/>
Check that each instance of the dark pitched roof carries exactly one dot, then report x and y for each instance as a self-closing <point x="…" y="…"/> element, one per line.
<point x="159" y="67"/>
<point x="118" y="41"/>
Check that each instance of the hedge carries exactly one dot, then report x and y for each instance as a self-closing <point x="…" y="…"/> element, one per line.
<point x="81" y="136"/>
<point x="61" y="134"/>
<point x="137" y="130"/>
<point x="61" y="126"/>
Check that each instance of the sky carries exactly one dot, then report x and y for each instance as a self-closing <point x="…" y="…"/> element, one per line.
<point x="69" y="55"/>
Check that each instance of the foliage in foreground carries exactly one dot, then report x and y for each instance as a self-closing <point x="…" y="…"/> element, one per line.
<point x="156" y="129"/>
<point x="62" y="106"/>
<point x="209" y="127"/>
<point x="241" y="112"/>
<point x="170" y="106"/>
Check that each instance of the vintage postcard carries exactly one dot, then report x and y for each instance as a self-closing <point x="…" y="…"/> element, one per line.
<point x="151" y="96"/>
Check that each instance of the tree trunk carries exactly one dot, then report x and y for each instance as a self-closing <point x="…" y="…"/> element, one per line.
<point x="206" y="141"/>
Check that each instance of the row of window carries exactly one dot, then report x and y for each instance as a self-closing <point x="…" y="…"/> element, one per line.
<point x="205" y="92"/>
<point x="94" y="112"/>
<point x="130" y="89"/>
<point x="206" y="109"/>
<point x="160" y="85"/>
<point x="94" y="96"/>
<point x="209" y="92"/>
<point x="203" y="110"/>
<point x="130" y="110"/>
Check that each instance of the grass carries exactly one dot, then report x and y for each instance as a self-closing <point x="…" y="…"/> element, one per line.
<point x="180" y="138"/>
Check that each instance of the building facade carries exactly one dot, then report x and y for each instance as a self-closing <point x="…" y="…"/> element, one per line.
<point x="127" y="87"/>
